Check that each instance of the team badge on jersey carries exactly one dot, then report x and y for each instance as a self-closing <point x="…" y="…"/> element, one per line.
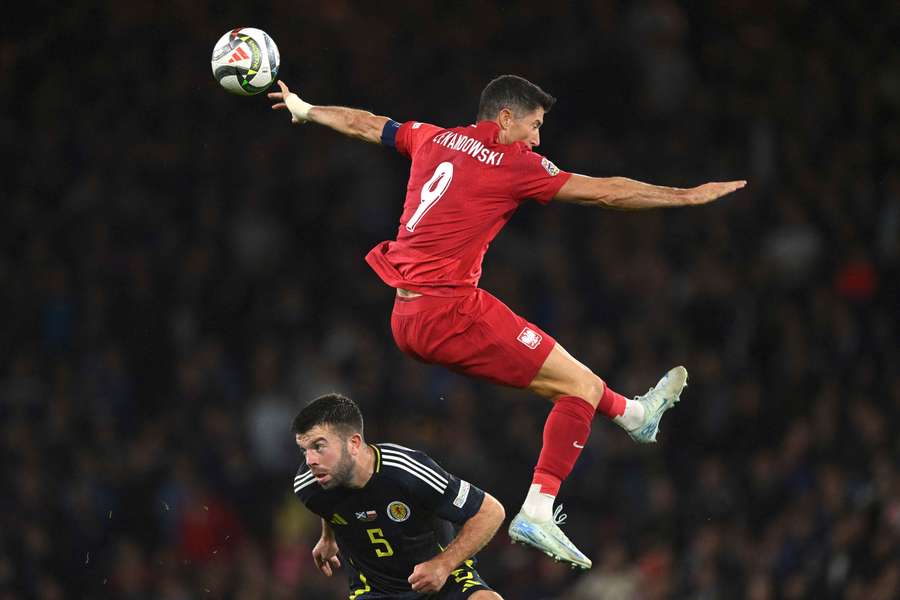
<point x="550" y="167"/>
<point x="530" y="337"/>
<point x="398" y="511"/>
<point x="367" y="515"/>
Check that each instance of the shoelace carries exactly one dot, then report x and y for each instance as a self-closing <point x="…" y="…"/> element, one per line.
<point x="559" y="517"/>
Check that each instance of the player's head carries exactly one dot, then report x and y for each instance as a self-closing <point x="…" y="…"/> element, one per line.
<point x="517" y="106"/>
<point x="329" y="431"/>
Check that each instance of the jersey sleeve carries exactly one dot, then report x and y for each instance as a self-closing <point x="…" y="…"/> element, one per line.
<point x="535" y="176"/>
<point x="449" y="497"/>
<point x="412" y="135"/>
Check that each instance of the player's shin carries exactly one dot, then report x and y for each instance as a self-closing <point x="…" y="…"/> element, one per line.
<point x="565" y="433"/>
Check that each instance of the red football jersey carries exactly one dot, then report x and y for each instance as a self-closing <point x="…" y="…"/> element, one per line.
<point x="463" y="188"/>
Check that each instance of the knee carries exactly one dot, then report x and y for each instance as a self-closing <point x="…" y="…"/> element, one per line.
<point x="589" y="387"/>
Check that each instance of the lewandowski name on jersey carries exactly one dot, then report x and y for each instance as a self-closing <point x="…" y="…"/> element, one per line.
<point x="466" y="145"/>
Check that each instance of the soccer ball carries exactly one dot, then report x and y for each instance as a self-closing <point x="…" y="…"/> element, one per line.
<point x="245" y="61"/>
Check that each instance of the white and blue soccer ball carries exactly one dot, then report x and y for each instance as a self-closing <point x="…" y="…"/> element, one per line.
<point x="245" y="61"/>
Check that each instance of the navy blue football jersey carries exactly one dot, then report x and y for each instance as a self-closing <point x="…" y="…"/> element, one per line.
<point x="404" y="515"/>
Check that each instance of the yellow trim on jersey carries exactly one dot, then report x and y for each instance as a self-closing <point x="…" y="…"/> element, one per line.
<point x="377" y="457"/>
<point x="366" y="588"/>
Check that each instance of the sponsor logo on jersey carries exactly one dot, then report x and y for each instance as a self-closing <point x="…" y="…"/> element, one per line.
<point x="550" y="167"/>
<point x="367" y="515"/>
<point x="464" y="487"/>
<point x="398" y="511"/>
<point x="530" y="338"/>
<point x="338" y="519"/>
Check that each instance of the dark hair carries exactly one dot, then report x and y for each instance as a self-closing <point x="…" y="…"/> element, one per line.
<point x="335" y="410"/>
<point x="512" y="92"/>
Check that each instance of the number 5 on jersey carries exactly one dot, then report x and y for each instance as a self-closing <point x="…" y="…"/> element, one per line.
<point x="432" y="191"/>
<point x="377" y="538"/>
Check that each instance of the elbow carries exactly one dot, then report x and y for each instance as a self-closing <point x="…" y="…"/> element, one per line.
<point x="365" y="127"/>
<point x="495" y="509"/>
<point x="606" y="192"/>
<point x="358" y="126"/>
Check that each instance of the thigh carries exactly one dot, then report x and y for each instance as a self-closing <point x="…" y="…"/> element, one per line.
<point x="563" y="375"/>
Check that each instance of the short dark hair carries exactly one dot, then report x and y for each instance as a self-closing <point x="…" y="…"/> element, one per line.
<point x="512" y="92"/>
<point x="340" y="412"/>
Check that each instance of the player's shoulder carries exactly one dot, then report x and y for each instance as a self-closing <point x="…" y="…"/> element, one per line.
<point x="305" y="485"/>
<point x="530" y="158"/>
<point x="410" y="466"/>
<point x="422" y="128"/>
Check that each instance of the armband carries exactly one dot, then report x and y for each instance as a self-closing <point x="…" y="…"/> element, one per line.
<point x="389" y="133"/>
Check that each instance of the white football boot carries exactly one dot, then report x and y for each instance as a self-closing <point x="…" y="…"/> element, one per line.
<point x="657" y="401"/>
<point x="547" y="537"/>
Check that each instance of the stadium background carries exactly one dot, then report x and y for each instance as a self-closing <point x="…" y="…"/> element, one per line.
<point x="181" y="270"/>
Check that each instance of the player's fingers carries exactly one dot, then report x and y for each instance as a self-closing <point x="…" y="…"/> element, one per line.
<point x="279" y="106"/>
<point x="335" y="562"/>
<point x="284" y="88"/>
<point x="326" y="569"/>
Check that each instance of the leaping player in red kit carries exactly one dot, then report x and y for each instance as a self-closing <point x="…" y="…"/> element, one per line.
<point x="464" y="185"/>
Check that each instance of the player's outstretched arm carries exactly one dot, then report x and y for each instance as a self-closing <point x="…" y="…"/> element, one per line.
<point x="429" y="577"/>
<point x="352" y="122"/>
<point x="622" y="193"/>
<point x="325" y="551"/>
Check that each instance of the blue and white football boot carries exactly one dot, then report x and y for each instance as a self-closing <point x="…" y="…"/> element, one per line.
<point x="547" y="537"/>
<point x="657" y="401"/>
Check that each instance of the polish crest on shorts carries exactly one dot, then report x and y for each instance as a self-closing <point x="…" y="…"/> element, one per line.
<point x="530" y="338"/>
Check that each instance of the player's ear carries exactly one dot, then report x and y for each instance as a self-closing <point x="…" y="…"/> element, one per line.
<point x="505" y="118"/>
<point x="355" y="442"/>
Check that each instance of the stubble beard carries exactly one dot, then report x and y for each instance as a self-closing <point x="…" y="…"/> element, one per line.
<point x="343" y="471"/>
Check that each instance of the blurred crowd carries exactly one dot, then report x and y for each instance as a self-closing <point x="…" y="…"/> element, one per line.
<point x="182" y="270"/>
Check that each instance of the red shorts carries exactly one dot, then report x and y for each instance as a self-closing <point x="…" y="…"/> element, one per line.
<point x="476" y="335"/>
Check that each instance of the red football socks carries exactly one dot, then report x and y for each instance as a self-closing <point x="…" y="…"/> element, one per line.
<point x="565" y="433"/>
<point x="611" y="404"/>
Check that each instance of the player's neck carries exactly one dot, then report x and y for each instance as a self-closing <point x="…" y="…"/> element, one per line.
<point x="365" y="468"/>
<point x="502" y="135"/>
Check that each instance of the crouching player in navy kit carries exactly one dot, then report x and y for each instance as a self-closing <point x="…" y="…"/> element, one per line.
<point x="390" y="511"/>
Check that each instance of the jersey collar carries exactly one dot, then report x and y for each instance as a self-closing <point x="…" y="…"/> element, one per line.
<point x="377" y="458"/>
<point x="489" y="131"/>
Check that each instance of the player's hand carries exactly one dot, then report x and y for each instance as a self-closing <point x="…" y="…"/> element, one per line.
<point x="287" y="100"/>
<point x="325" y="555"/>
<point x="711" y="191"/>
<point x="429" y="577"/>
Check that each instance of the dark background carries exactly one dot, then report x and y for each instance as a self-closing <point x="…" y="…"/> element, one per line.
<point x="182" y="270"/>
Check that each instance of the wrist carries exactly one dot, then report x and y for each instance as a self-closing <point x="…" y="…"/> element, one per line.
<point x="299" y="109"/>
<point x="444" y="562"/>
